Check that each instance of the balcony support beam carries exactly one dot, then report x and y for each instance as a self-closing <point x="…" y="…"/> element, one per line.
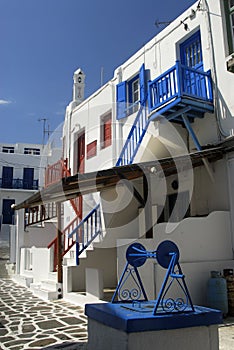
<point x="198" y="146"/>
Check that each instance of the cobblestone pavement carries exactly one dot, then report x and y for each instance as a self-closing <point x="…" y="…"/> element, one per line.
<point x="27" y="322"/>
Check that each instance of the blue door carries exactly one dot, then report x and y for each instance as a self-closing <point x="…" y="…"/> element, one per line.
<point x="191" y="52"/>
<point x="192" y="61"/>
<point x="7" y="211"/>
<point x="28" y="178"/>
<point x="7" y="177"/>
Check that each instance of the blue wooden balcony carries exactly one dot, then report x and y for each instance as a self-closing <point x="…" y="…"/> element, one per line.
<point x="181" y="90"/>
<point x="17" y="184"/>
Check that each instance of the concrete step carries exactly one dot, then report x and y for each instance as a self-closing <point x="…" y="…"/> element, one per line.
<point x="52" y="276"/>
<point x="49" y="285"/>
<point x="70" y="258"/>
<point x="23" y="280"/>
<point x="3" y="270"/>
<point x="80" y="298"/>
<point x="43" y="293"/>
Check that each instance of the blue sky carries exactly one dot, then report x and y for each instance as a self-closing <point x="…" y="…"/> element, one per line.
<point x="44" y="41"/>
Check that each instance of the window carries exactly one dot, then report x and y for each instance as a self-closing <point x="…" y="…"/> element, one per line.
<point x="92" y="149"/>
<point x="7" y="211"/>
<point x="130" y="93"/>
<point x="106" y="132"/>
<point x="33" y="151"/>
<point x="191" y="52"/>
<point x="133" y="95"/>
<point x="28" y="177"/>
<point x="229" y="12"/>
<point x="6" y="149"/>
<point x="7" y="177"/>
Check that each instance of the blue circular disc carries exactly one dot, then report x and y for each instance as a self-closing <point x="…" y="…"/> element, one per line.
<point x="163" y="253"/>
<point x="134" y="255"/>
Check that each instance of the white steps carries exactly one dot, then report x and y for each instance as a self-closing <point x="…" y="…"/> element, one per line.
<point x="23" y="280"/>
<point x="79" y="298"/>
<point x="46" y="290"/>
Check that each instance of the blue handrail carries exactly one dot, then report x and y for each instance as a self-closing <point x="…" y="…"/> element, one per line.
<point x="134" y="138"/>
<point x="87" y="230"/>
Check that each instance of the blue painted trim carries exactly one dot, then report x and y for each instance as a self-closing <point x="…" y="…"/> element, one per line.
<point x="161" y="112"/>
<point x="192" y="133"/>
<point x="143" y="84"/>
<point x="120" y="316"/>
<point x="121" y="100"/>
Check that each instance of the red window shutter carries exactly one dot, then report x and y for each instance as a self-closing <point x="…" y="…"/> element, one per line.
<point x="107" y="132"/>
<point x="92" y="149"/>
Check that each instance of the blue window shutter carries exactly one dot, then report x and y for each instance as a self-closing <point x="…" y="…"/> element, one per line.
<point x="121" y="99"/>
<point x="143" y="86"/>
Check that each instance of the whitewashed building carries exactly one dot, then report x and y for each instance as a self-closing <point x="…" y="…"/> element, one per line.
<point x="168" y="108"/>
<point x="22" y="169"/>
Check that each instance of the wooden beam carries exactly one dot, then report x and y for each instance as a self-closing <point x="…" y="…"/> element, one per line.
<point x="59" y="245"/>
<point x="136" y="194"/>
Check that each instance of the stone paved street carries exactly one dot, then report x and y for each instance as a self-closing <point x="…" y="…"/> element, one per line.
<point x="27" y="322"/>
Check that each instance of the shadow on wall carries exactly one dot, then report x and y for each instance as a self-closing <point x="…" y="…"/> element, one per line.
<point x="226" y="119"/>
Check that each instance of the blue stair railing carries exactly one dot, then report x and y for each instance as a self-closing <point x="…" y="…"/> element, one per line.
<point x="134" y="138"/>
<point x="90" y="227"/>
<point x="87" y="230"/>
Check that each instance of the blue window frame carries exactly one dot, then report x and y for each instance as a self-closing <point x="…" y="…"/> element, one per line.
<point x="130" y="93"/>
<point x="229" y="13"/>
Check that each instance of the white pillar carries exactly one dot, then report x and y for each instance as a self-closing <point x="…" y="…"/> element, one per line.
<point x="19" y="237"/>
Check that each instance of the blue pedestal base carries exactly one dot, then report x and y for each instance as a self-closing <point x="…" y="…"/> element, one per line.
<point x="133" y="327"/>
<point x="129" y="318"/>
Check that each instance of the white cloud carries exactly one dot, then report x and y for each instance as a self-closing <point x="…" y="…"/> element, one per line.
<point x="5" y="102"/>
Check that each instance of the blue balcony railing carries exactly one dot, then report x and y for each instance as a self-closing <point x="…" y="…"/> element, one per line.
<point x="177" y="82"/>
<point x="19" y="184"/>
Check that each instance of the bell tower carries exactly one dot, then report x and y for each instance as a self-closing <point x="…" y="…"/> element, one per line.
<point x="78" y="86"/>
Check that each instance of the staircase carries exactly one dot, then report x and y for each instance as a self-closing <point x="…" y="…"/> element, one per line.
<point x="134" y="138"/>
<point x="90" y="227"/>
<point x="68" y="239"/>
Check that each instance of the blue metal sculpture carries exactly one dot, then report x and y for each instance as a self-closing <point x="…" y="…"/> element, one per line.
<point x="167" y="256"/>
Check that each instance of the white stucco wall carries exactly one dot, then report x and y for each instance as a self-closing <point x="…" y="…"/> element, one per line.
<point x="205" y="244"/>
